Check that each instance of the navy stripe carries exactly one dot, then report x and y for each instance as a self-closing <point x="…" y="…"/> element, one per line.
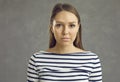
<point x="29" y="81"/>
<point x="65" y="76"/>
<point x="75" y="71"/>
<point x="32" y="73"/>
<point x="67" y="58"/>
<point x="64" y="80"/>
<point x="74" y="54"/>
<point x="96" y="76"/>
<point x="63" y="62"/>
<point x="96" y="71"/>
<point x="31" y="68"/>
<point x="96" y="80"/>
<point x="32" y="77"/>
<point x="32" y="64"/>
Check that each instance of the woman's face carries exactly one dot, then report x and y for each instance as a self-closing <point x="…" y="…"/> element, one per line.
<point x="65" y="28"/>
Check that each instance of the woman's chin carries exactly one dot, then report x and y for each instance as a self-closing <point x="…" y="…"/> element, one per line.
<point x="65" y="43"/>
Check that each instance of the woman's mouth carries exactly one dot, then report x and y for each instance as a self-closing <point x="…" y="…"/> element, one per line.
<point x="66" y="39"/>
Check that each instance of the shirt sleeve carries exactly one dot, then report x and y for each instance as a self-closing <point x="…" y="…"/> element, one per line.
<point x="96" y="74"/>
<point x="32" y="74"/>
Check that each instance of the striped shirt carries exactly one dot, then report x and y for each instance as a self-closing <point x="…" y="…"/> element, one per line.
<point x="71" y="67"/>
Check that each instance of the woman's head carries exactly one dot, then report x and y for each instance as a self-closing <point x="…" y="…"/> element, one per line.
<point x="63" y="11"/>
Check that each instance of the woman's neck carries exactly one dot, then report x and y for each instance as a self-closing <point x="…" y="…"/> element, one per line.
<point x="61" y="49"/>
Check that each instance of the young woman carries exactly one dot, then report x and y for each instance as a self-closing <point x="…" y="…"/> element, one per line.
<point x="65" y="60"/>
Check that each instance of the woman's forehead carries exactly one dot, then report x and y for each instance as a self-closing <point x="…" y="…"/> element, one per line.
<point x="65" y="17"/>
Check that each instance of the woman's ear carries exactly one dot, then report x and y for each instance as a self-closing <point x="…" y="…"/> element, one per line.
<point x="51" y="28"/>
<point x="79" y="24"/>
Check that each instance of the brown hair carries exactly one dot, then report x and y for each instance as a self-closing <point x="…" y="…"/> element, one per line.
<point x="65" y="7"/>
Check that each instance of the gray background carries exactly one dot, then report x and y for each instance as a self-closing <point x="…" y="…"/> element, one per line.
<point x="24" y="31"/>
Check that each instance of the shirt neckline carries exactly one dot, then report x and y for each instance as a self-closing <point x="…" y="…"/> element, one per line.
<point x="64" y="53"/>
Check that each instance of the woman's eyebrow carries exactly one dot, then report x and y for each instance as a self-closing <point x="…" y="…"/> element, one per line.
<point x="59" y="22"/>
<point x="63" y="22"/>
<point x="72" y="22"/>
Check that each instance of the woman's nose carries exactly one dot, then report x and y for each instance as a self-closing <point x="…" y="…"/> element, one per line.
<point x="65" y="30"/>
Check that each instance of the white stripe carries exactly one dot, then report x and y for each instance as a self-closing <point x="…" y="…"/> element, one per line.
<point x="62" y="56"/>
<point x="96" y="78"/>
<point x="61" y="64"/>
<point x="34" y="80"/>
<point x="66" y="78"/>
<point x="32" y="75"/>
<point x="97" y="73"/>
<point x="70" y="61"/>
<point x="63" y="81"/>
<point x="33" y="71"/>
<point x="63" y="74"/>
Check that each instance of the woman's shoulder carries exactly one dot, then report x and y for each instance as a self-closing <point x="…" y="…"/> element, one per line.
<point x="87" y="52"/>
<point x="37" y="53"/>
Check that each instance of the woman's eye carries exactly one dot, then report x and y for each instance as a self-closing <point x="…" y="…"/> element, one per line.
<point x="72" y="25"/>
<point x="58" y="25"/>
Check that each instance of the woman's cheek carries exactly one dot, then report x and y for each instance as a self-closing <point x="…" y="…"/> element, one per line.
<point x="74" y="34"/>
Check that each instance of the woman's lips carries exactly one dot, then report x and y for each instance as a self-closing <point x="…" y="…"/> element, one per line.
<point x="66" y="39"/>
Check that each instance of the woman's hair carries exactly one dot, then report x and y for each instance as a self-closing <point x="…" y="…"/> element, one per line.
<point x="65" y="7"/>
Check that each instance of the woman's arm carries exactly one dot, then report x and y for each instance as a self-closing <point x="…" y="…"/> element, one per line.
<point x="96" y="74"/>
<point x="32" y="74"/>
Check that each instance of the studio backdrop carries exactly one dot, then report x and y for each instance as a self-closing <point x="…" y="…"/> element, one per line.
<point x="24" y="30"/>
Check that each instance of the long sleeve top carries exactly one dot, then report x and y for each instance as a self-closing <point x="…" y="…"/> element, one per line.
<point x="70" y="67"/>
